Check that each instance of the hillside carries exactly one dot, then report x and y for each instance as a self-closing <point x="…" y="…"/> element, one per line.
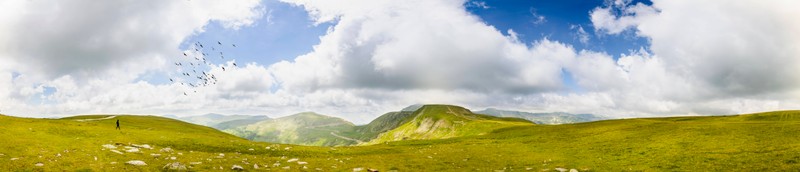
<point x="753" y="142"/>
<point x="543" y="118"/>
<point x="445" y="121"/>
<point x="383" y="123"/>
<point x="306" y="128"/>
<point x="88" y="143"/>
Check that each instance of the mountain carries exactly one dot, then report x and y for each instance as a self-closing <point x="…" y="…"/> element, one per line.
<point x="213" y="119"/>
<point x="240" y="122"/>
<point x="384" y="123"/>
<point x="543" y="118"/>
<point x="412" y="108"/>
<point x="751" y="142"/>
<point x="306" y="128"/>
<point x="444" y="121"/>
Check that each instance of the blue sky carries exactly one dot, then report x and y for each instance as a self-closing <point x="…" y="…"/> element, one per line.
<point x="288" y="31"/>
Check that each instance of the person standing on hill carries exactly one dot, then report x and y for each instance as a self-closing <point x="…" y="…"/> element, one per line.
<point x="118" y="124"/>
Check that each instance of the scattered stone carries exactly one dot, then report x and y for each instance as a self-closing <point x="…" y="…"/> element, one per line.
<point x="116" y="151"/>
<point x="39" y="164"/>
<point x="561" y="169"/>
<point x="286" y="168"/>
<point x="132" y="150"/>
<point x="528" y="168"/>
<point x="277" y="164"/>
<point x="155" y="155"/>
<point x="145" y="146"/>
<point x="302" y="162"/>
<point x="173" y="158"/>
<point x="318" y="169"/>
<point x="95" y="158"/>
<point x="179" y="153"/>
<point x="573" y="170"/>
<point x="166" y="150"/>
<point x="292" y="160"/>
<point x="58" y="155"/>
<point x="251" y="149"/>
<point x="109" y="146"/>
<point x="304" y="167"/>
<point x="175" y="166"/>
<point x="237" y="167"/>
<point x="287" y="148"/>
<point x="372" y="170"/>
<point x="358" y="169"/>
<point x="267" y="147"/>
<point x="14" y="159"/>
<point x="255" y="166"/>
<point x="136" y="163"/>
<point x="195" y="163"/>
<point x="113" y="162"/>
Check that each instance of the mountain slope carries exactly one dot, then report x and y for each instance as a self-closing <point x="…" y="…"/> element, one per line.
<point x="306" y="128"/>
<point x="83" y="143"/>
<point x="383" y="123"/>
<point x="445" y="121"/>
<point x="543" y="118"/>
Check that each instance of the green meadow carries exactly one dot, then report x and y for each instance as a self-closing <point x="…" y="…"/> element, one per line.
<point x="752" y="142"/>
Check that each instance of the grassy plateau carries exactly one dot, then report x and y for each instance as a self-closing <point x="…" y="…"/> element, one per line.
<point x="751" y="142"/>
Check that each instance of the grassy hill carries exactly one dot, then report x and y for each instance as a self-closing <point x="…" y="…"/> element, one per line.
<point x="543" y="118"/>
<point x="445" y="121"/>
<point x="383" y="123"/>
<point x="753" y="142"/>
<point x="306" y="128"/>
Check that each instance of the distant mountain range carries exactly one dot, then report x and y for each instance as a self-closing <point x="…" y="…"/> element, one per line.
<point x="220" y="121"/>
<point x="411" y="123"/>
<point x="306" y="128"/>
<point x="543" y="118"/>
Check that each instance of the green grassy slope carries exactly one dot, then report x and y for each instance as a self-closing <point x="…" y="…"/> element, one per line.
<point x="445" y="121"/>
<point x="70" y="144"/>
<point x="382" y="124"/>
<point x="755" y="142"/>
<point x="305" y="128"/>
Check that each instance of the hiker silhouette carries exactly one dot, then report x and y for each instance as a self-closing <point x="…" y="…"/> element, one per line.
<point x="117" y="124"/>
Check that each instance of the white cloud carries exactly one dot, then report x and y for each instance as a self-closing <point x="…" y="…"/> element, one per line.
<point x="87" y="38"/>
<point x="580" y="34"/>
<point x="378" y="56"/>
<point x="416" y="45"/>
<point x="538" y="19"/>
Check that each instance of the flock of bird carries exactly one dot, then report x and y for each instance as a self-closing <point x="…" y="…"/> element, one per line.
<point x="193" y="74"/>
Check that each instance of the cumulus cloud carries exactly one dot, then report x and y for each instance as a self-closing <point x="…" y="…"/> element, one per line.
<point x="87" y="38"/>
<point x="379" y="56"/>
<point x="86" y="49"/>
<point x="419" y="45"/>
<point x="737" y="49"/>
<point x="707" y="56"/>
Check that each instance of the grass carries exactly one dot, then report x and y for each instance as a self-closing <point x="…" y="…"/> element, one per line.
<point x="755" y="142"/>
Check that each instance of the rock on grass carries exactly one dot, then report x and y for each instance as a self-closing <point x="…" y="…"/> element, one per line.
<point x="136" y="163"/>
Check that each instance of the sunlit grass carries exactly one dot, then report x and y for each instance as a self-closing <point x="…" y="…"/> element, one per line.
<point x="759" y="142"/>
